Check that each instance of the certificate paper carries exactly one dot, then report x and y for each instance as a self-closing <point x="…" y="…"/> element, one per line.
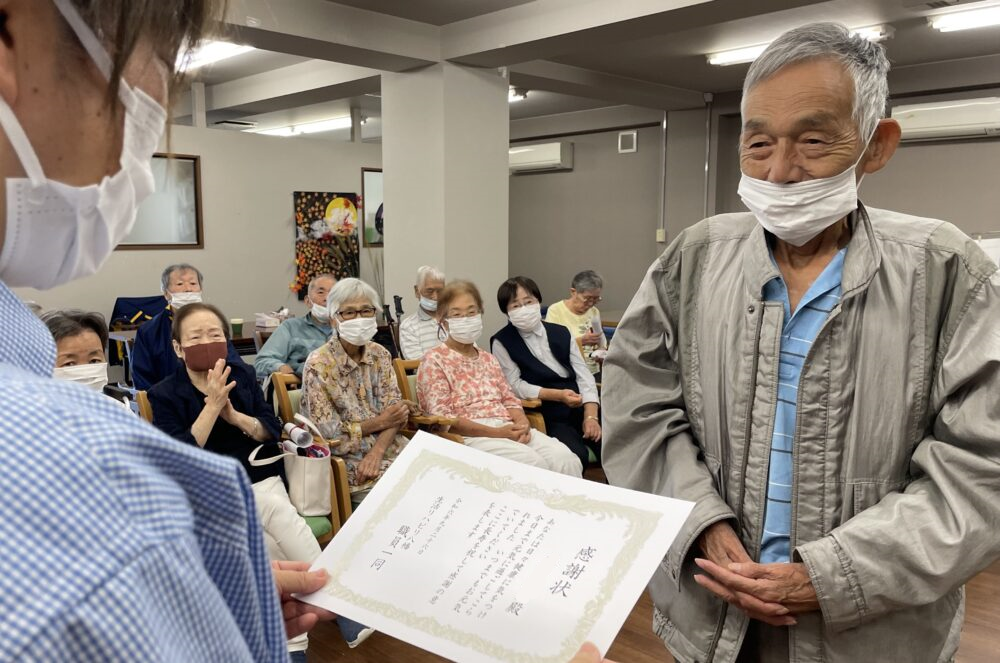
<point x="477" y="558"/>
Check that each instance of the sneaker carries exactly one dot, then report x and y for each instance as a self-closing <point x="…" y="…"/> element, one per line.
<point x="363" y="635"/>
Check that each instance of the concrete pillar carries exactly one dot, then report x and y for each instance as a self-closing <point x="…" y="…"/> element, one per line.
<point x="445" y="138"/>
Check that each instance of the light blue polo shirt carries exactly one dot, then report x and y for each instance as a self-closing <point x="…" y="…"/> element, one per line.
<point x="799" y="330"/>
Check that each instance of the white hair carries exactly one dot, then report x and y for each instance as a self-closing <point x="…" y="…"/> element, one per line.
<point x="347" y="289"/>
<point x="864" y="60"/>
<point x="316" y="279"/>
<point x="428" y="273"/>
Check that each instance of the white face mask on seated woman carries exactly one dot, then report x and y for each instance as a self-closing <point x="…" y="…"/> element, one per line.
<point x="76" y="228"/>
<point x="94" y="376"/>
<point x="357" y="331"/>
<point x="466" y="330"/>
<point x="526" y="318"/>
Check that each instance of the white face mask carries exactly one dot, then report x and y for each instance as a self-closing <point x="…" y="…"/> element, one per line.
<point x="57" y="232"/>
<point x="798" y="212"/>
<point x="321" y="313"/>
<point x="357" y="331"/>
<point x="466" y="330"/>
<point x="428" y="305"/>
<point x="94" y="376"/>
<point x="526" y="318"/>
<point x="179" y="300"/>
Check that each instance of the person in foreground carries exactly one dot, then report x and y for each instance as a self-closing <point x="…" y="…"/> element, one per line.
<point x="458" y="380"/>
<point x="124" y="545"/>
<point x="820" y="378"/>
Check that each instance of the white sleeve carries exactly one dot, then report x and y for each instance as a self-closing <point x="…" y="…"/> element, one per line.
<point x="512" y="372"/>
<point x="584" y="378"/>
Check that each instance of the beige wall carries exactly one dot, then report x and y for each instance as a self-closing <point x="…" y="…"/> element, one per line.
<point x="602" y="215"/>
<point x="247" y="184"/>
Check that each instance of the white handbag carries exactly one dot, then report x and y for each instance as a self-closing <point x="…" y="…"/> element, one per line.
<point x="309" y="479"/>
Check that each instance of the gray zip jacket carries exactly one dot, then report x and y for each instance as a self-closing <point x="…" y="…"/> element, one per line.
<point x="896" y="495"/>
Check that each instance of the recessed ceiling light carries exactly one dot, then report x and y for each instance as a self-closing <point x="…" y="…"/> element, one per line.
<point x="209" y="52"/>
<point x="966" y="20"/>
<point x="516" y="94"/>
<point x="751" y="53"/>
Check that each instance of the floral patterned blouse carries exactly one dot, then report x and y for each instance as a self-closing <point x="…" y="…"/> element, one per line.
<point x="338" y="394"/>
<point x="450" y="384"/>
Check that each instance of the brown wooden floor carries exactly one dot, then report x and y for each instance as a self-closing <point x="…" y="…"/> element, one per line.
<point x="637" y="644"/>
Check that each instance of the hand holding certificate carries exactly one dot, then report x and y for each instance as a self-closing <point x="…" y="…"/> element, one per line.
<point x="478" y="559"/>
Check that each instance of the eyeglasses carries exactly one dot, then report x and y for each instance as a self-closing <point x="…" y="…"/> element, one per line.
<point x="587" y="299"/>
<point x="368" y="312"/>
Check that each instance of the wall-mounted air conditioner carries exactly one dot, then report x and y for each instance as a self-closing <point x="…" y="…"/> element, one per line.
<point x="541" y="157"/>
<point x="967" y="118"/>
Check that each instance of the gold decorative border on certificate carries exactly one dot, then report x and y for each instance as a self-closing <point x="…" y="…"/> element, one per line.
<point x="641" y="525"/>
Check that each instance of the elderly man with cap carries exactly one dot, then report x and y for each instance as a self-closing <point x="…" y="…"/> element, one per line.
<point x="821" y="379"/>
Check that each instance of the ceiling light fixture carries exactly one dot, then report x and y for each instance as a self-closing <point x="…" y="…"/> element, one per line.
<point x="209" y="52"/>
<point x="966" y="20"/>
<point x="751" y="53"/>
<point x="307" y="127"/>
<point x="516" y="94"/>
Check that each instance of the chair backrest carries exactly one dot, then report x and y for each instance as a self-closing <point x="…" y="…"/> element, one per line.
<point x="145" y="409"/>
<point x="406" y="377"/>
<point x="287" y="395"/>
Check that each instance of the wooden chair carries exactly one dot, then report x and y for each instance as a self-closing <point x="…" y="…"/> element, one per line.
<point x="406" y="377"/>
<point x="145" y="409"/>
<point x="287" y="398"/>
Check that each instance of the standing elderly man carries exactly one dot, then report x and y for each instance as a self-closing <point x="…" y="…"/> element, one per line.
<point x="420" y="331"/>
<point x="821" y="379"/>
<point x="153" y="356"/>
<point x="290" y="344"/>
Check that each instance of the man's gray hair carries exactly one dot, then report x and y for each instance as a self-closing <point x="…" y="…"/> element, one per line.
<point x="317" y="278"/>
<point x="348" y="289"/>
<point x="179" y="267"/>
<point x="428" y="273"/>
<point x="863" y="59"/>
<point x="587" y="280"/>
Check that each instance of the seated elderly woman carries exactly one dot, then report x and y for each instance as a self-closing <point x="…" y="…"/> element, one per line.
<point x="458" y="380"/>
<point x="218" y="406"/>
<point x="580" y="315"/>
<point x="81" y="339"/>
<point x="349" y="390"/>
<point x="541" y="360"/>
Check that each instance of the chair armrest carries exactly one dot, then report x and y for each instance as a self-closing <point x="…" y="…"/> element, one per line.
<point x="531" y="403"/>
<point x="430" y="420"/>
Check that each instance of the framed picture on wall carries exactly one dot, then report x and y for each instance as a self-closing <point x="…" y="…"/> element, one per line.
<point x="373" y="220"/>
<point x="170" y="218"/>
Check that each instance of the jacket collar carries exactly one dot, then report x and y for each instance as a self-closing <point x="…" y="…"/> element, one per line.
<point x="860" y="265"/>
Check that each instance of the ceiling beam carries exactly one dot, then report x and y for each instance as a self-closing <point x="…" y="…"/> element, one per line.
<point x="327" y="31"/>
<point x="549" y="28"/>
<point x="300" y="84"/>
<point x="982" y="71"/>
<point x="579" y="82"/>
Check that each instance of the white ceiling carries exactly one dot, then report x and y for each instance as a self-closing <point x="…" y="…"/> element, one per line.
<point x="679" y="59"/>
<point x="599" y="64"/>
<point x="435" y="12"/>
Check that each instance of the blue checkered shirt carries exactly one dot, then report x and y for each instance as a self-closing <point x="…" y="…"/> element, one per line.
<point x="118" y="543"/>
<point x="797" y="335"/>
